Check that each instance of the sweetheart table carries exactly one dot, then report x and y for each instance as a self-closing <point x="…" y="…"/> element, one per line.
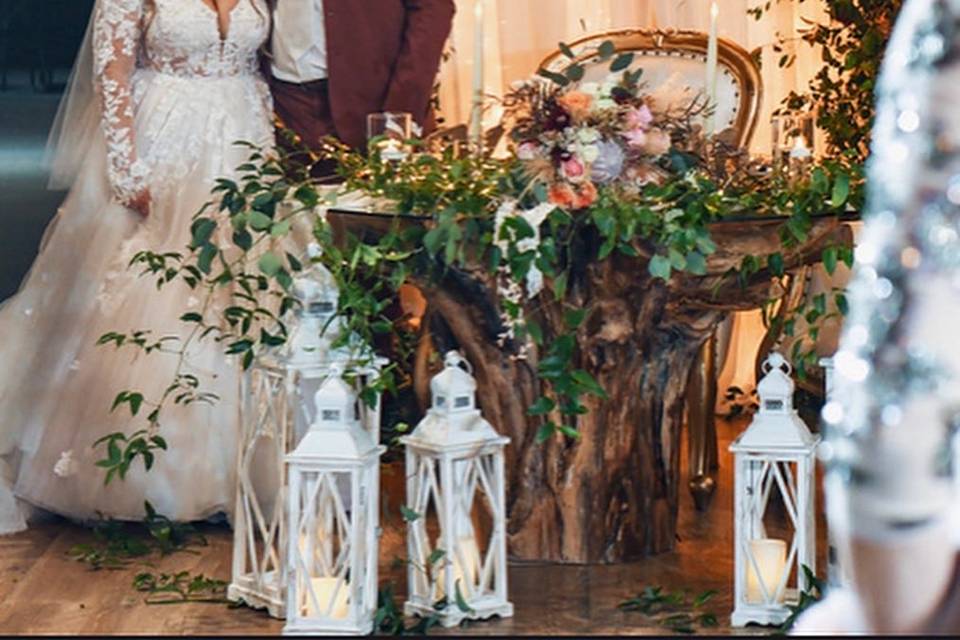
<point x="611" y="495"/>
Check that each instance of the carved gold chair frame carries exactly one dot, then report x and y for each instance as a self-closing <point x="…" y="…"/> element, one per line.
<point x="742" y="70"/>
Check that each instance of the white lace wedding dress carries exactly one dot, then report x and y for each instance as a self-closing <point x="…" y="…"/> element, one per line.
<point x="175" y="95"/>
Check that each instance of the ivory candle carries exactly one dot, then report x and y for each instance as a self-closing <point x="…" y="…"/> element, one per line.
<point x="771" y="558"/>
<point x="710" y="82"/>
<point x="392" y="150"/>
<point x="799" y="151"/>
<point x="324" y="589"/>
<point x="469" y="573"/>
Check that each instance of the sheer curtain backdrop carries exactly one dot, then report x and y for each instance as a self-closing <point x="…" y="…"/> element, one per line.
<point x="518" y="34"/>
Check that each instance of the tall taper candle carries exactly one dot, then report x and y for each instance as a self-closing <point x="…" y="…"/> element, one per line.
<point x="476" y="114"/>
<point x="710" y="83"/>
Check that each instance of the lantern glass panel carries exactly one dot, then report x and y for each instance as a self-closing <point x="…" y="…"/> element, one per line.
<point x="462" y="402"/>
<point x="440" y="402"/>
<point x="327" y="547"/>
<point x="772" y="515"/>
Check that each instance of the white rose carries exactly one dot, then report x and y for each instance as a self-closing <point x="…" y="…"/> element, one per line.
<point x="588" y="135"/>
<point x="606" y="103"/>
<point x="590" y="153"/>
<point x="590" y="88"/>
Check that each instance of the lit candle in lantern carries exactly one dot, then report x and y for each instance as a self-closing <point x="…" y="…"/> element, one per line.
<point x="325" y="589"/>
<point x="710" y="83"/>
<point x="771" y="558"/>
<point x="799" y="151"/>
<point x="463" y="575"/>
<point x="476" y="115"/>
<point x="391" y="149"/>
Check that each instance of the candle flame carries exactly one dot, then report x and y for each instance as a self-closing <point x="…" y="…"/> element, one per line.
<point x="714" y="9"/>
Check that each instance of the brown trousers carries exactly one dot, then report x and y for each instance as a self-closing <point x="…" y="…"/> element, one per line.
<point x="304" y="109"/>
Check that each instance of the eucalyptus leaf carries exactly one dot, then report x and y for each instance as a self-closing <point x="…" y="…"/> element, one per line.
<point x="622" y="61"/>
<point x="270" y="264"/>
<point x="660" y="267"/>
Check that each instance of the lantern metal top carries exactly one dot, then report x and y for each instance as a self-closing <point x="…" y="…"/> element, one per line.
<point x="456" y="379"/>
<point x="314" y="327"/>
<point x="777" y="426"/>
<point x="316" y="283"/>
<point x="337" y="434"/>
<point x="777" y="383"/>
<point x="453" y="421"/>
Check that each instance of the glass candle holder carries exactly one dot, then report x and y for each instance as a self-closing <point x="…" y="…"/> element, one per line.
<point x="793" y="143"/>
<point x="390" y="131"/>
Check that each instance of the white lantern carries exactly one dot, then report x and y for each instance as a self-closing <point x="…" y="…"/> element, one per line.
<point x="456" y="505"/>
<point x="311" y="335"/>
<point x="775" y="454"/>
<point x="277" y="409"/>
<point x="333" y="519"/>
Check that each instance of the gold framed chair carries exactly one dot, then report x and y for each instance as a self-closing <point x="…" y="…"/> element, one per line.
<point x="674" y="64"/>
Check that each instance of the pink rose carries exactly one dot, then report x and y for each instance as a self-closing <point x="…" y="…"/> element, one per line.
<point x="573" y="170"/>
<point x="635" y="137"/>
<point x="639" y="118"/>
<point x="527" y="150"/>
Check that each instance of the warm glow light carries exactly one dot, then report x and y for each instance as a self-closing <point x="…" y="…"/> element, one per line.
<point x="771" y="557"/>
<point x="470" y="553"/>
<point x="323" y="589"/>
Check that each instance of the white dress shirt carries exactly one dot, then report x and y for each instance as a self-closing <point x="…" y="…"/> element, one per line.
<point x="299" y="43"/>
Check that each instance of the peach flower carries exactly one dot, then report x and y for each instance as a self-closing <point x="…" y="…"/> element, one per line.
<point x="586" y="195"/>
<point x="657" y="142"/>
<point x="562" y="195"/>
<point x="577" y="103"/>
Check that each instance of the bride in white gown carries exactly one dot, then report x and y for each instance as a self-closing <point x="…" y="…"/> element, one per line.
<point x="173" y="85"/>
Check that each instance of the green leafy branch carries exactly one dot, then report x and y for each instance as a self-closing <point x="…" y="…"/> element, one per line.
<point x="816" y="589"/>
<point x="233" y="253"/>
<point x="673" y="610"/>
<point x="179" y="588"/>
<point x="118" y="544"/>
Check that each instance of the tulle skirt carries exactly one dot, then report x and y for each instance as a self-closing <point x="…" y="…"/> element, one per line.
<point x="57" y="385"/>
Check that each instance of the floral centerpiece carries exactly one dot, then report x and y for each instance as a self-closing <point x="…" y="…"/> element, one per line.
<point x="578" y="137"/>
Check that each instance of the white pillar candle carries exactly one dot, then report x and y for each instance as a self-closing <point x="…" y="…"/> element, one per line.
<point x="392" y="150"/>
<point x="799" y="151"/>
<point x="710" y="82"/>
<point x="463" y="574"/>
<point x="771" y="558"/>
<point x="324" y="590"/>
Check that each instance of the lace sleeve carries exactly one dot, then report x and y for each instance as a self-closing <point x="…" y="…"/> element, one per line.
<point x="116" y="38"/>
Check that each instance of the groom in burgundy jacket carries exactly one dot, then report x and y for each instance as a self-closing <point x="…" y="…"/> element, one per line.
<point x="332" y="62"/>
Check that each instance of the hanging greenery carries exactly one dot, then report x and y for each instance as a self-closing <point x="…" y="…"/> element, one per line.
<point x="851" y="42"/>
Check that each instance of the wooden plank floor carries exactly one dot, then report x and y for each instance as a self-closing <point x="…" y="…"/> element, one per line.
<point x="43" y="591"/>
